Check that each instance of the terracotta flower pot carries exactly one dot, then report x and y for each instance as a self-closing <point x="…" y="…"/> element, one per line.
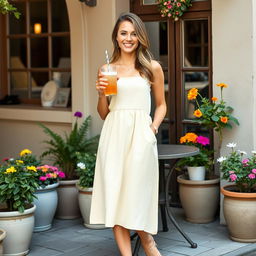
<point x="199" y="199"/>
<point x="240" y="214"/>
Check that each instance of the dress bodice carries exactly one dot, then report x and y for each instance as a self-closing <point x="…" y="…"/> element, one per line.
<point x="132" y="93"/>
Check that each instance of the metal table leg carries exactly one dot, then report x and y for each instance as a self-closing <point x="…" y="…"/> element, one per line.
<point x="193" y="245"/>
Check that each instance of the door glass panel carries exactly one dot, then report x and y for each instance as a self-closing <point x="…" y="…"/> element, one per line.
<point x="197" y="80"/>
<point x="199" y="130"/>
<point x="18" y="26"/>
<point x="61" y="52"/>
<point x="18" y="53"/>
<point x="195" y="43"/>
<point x="39" y="57"/>
<point x="60" y="21"/>
<point x="157" y="33"/>
<point x="38" y="79"/>
<point x="149" y="2"/>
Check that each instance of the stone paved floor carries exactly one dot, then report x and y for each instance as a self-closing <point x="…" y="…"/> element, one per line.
<point x="71" y="238"/>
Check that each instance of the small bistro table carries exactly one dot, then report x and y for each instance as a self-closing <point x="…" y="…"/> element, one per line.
<point x="168" y="152"/>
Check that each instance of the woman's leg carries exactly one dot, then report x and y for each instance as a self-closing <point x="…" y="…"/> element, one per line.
<point x="148" y="244"/>
<point x="123" y="240"/>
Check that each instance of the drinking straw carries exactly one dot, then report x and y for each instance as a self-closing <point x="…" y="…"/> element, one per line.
<point x="107" y="59"/>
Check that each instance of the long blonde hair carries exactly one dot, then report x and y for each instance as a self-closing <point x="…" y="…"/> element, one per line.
<point x="143" y="55"/>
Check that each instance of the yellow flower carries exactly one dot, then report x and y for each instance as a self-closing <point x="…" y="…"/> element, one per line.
<point x="31" y="168"/>
<point x="25" y="151"/>
<point x="192" y="94"/>
<point x="191" y="137"/>
<point x="10" y="170"/>
<point x="198" y="113"/>
<point x="19" y="162"/>
<point x="224" y="119"/>
<point x="222" y="85"/>
<point x="214" y="99"/>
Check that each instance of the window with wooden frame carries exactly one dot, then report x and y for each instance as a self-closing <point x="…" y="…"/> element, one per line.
<point x="35" y="48"/>
<point x="184" y="50"/>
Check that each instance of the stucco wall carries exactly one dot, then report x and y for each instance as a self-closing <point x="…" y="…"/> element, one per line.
<point x="232" y="64"/>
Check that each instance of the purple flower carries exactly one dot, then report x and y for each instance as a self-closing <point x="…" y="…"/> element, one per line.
<point x="203" y="140"/>
<point x="232" y="177"/>
<point x="251" y="176"/>
<point x="61" y="174"/>
<point x="78" y="114"/>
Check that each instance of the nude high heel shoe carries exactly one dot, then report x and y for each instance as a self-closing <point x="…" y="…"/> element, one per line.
<point x="151" y="248"/>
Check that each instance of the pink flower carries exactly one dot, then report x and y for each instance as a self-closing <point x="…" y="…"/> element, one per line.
<point x="232" y="177"/>
<point x="178" y="4"/>
<point x="203" y="140"/>
<point x="48" y="175"/>
<point x="165" y="3"/>
<point x="5" y="159"/>
<point x="254" y="171"/>
<point x="251" y="176"/>
<point x="169" y="6"/>
<point x="169" y="15"/>
<point x="43" y="178"/>
<point x="245" y="161"/>
<point x="230" y="172"/>
<point x="61" y="174"/>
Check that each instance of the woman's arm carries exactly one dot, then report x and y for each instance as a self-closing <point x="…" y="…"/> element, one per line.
<point x="103" y="103"/>
<point x="158" y="91"/>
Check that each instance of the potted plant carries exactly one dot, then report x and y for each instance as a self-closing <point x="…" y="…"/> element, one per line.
<point x="85" y="169"/>
<point x="17" y="187"/>
<point x="2" y="237"/>
<point x="62" y="151"/>
<point x="239" y="204"/>
<point x="199" y="196"/>
<point x="46" y="196"/>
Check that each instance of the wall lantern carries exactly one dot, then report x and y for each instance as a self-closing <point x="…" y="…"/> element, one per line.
<point x="37" y="28"/>
<point x="90" y="3"/>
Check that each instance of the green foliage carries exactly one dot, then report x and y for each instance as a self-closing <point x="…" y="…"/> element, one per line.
<point x="62" y="149"/>
<point x="85" y="169"/>
<point x="239" y="170"/>
<point x="17" y="185"/>
<point x="6" y="7"/>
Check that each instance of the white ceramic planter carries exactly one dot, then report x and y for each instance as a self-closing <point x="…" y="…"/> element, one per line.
<point x="68" y="207"/>
<point x="85" y="199"/>
<point x="46" y="205"/>
<point x="19" y="230"/>
<point x="2" y="237"/>
<point x="196" y="172"/>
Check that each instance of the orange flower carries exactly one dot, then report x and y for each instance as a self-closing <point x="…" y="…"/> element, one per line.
<point x="183" y="139"/>
<point x="214" y="99"/>
<point x="222" y="85"/>
<point x="191" y="137"/>
<point x="224" y="119"/>
<point x="192" y="94"/>
<point x="197" y="113"/>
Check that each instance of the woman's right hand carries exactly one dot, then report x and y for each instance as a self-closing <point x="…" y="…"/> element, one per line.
<point x="101" y="84"/>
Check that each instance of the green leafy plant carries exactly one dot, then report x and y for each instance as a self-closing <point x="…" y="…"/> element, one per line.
<point x="6" y="7"/>
<point x="238" y="168"/>
<point x="205" y="156"/>
<point x="173" y="8"/>
<point x="212" y="113"/>
<point x="18" y="181"/>
<point x="85" y="169"/>
<point x="62" y="149"/>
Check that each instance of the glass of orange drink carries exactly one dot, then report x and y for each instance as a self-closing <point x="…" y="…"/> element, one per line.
<point x="109" y="72"/>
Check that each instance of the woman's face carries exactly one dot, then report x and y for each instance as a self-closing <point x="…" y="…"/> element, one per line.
<point x="126" y="37"/>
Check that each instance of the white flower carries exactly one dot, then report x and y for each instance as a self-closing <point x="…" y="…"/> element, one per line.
<point x="231" y="145"/>
<point x="254" y="152"/>
<point x="81" y="165"/>
<point x="221" y="159"/>
<point x="11" y="159"/>
<point x="242" y="152"/>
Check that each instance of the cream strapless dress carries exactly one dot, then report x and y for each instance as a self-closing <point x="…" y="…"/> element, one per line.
<point x="125" y="190"/>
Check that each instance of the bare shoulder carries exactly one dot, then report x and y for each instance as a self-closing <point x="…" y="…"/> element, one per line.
<point x="156" y="67"/>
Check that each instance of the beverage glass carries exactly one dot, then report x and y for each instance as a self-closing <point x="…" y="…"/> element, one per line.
<point x="110" y="73"/>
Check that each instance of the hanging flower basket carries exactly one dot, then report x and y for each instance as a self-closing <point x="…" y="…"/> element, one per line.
<point x="173" y="8"/>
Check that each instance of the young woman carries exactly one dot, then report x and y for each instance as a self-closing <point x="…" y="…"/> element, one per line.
<point x="125" y="192"/>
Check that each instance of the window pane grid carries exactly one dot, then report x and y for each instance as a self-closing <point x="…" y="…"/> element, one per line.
<point x="36" y="68"/>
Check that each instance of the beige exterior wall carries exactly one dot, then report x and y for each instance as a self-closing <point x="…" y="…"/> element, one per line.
<point x="90" y="29"/>
<point x="232" y="64"/>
